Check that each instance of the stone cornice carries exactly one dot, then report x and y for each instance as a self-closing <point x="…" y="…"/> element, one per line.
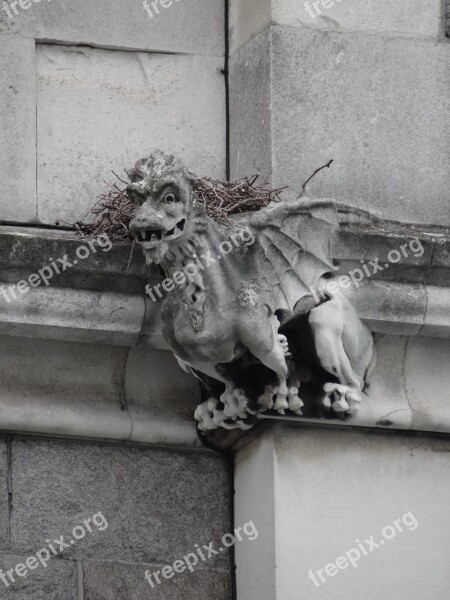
<point x="101" y="303"/>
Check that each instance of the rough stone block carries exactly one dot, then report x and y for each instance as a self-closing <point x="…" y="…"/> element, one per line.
<point x="4" y="508"/>
<point x="158" y="503"/>
<point x="250" y="114"/>
<point x="100" y="111"/>
<point x="56" y="582"/>
<point x="155" y="396"/>
<point x="61" y="388"/>
<point x="185" y="26"/>
<point x="18" y="127"/>
<point x="333" y="490"/>
<point x="390" y="477"/>
<point x="427" y="382"/>
<point x="411" y="17"/>
<point x="376" y="106"/>
<point x="113" y="581"/>
<point x="247" y="19"/>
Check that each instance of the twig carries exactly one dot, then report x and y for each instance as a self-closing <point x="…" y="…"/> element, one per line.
<point x="131" y="255"/>
<point x="313" y="175"/>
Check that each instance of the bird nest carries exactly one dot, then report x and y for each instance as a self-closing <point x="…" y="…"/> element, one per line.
<point x="112" y="214"/>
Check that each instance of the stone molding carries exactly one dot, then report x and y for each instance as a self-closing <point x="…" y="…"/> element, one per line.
<point x="100" y="309"/>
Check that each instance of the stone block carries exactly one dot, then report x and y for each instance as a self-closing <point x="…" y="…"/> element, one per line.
<point x="58" y="581"/>
<point x="100" y="111"/>
<point x="421" y="18"/>
<point x="334" y="490"/>
<point x="158" y="503"/>
<point x="250" y="114"/>
<point x="158" y="390"/>
<point x="427" y="382"/>
<point x="112" y="581"/>
<point x="184" y="26"/>
<point x="18" y="126"/>
<point x="247" y="19"/>
<point x="4" y="507"/>
<point x="390" y="477"/>
<point x="377" y="107"/>
<point x="62" y="389"/>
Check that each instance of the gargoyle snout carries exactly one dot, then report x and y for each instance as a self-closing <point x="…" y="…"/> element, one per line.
<point x="138" y="224"/>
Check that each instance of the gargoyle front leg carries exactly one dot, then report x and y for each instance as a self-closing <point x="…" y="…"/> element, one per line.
<point x="345" y="348"/>
<point x="272" y="353"/>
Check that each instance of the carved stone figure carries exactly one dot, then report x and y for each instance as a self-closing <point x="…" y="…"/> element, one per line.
<point x="247" y="312"/>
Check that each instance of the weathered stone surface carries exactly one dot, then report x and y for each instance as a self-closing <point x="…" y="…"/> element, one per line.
<point x="250" y="115"/>
<point x="427" y="383"/>
<point x="100" y="110"/>
<point x="374" y="105"/>
<point x="333" y="490"/>
<point x="158" y="503"/>
<point x="184" y="26"/>
<point x="113" y="581"/>
<point x="389" y="307"/>
<point x="58" y="581"/>
<point x="410" y="18"/>
<point x="4" y="509"/>
<point x="386" y="403"/>
<point x="62" y="389"/>
<point x="157" y="390"/>
<point x="382" y="125"/>
<point x="247" y="19"/>
<point x="18" y="127"/>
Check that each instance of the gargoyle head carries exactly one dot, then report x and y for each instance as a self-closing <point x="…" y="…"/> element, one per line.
<point x="162" y="188"/>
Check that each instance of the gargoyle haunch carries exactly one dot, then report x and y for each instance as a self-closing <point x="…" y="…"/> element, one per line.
<point x="251" y="327"/>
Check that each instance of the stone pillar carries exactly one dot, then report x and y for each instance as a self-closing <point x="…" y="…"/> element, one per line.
<point x="343" y="514"/>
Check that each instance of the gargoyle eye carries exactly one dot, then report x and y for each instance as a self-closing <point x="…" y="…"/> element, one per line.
<point x="169" y="198"/>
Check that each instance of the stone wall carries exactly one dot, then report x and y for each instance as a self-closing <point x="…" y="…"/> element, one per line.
<point x="88" y="88"/>
<point x="157" y="504"/>
<point x="364" y="83"/>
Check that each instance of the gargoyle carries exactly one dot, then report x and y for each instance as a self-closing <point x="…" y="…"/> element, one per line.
<point x="250" y="324"/>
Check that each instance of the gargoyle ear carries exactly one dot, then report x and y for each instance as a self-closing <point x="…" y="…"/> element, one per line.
<point x="131" y="173"/>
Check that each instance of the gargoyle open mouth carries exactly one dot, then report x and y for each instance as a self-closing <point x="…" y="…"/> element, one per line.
<point x="146" y="236"/>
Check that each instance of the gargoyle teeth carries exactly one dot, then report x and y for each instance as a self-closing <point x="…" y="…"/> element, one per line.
<point x="154" y="238"/>
<point x="143" y="234"/>
<point x="179" y="228"/>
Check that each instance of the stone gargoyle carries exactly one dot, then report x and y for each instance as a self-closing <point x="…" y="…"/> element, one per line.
<point x="249" y="323"/>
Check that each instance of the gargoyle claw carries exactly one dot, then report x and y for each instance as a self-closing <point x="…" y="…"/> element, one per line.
<point x="340" y="399"/>
<point x="284" y="344"/>
<point x="294" y="401"/>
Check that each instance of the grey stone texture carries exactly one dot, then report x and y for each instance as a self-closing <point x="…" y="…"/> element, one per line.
<point x="58" y="581"/>
<point x="100" y="110"/>
<point x="185" y="26"/>
<point x="18" y="129"/>
<point x="414" y="18"/>
<point x="4" y="489"/>
<point x="331" y="489"/>
<point x="251" y="116"/>
<point x="376" y="105"/>
<point x="158" y="503"/>
<point x="111" y="582"/>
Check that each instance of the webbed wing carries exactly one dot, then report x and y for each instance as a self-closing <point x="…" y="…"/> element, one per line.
<point x="294" y="249"/>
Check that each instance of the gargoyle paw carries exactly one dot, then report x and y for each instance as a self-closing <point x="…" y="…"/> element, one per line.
<point x="340" y="399"/>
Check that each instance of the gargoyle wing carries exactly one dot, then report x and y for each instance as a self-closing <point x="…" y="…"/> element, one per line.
<point x="294" y="249"/>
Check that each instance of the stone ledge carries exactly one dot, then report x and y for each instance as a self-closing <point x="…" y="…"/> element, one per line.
<point x="101" y="301"/>
<point x="89" y="346"/>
